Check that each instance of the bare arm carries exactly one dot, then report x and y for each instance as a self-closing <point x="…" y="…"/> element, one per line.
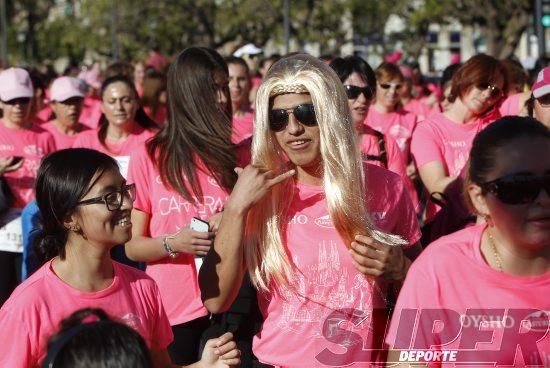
<point x="219" y="352"/>
<point x="143" y="248"/>
<point x="434" y="177"/>
<point x="223" y="270"/>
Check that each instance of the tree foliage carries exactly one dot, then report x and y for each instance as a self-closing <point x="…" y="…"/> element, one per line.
<point x="48" y="29"/>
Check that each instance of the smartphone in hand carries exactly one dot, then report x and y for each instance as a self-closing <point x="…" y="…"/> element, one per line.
<point x="199" y="225"/>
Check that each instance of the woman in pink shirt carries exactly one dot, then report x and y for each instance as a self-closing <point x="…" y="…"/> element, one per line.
<point x="86" y="206"/>
<point x="378" y="148"/>
<point x="67" y="98"/>
<point x="123" y="127"/>
<point x="185" y="171"/>
<point x="314" y="238"/>
<point x="441" y="144"/>
<point x="239" y="90"/>
<point x="487" y="284"/>
<point x="23" y="144"/>
<point x="386" y="113"/>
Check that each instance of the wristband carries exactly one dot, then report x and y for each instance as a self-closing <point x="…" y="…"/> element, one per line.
<point x="171" y="253"/>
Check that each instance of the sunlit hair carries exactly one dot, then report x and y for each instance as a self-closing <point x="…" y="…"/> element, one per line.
<point x="343" y="176"/>
<point x="387" y="72"/>
<point x="480" y="68"/>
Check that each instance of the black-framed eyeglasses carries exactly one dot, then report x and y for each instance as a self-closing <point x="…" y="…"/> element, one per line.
<point x="517" y="189"/>
<point x="18" y="101"/>
<point x="494" y="91"/>
<point x="115" y="199"/>
<point x="353" y="92"/>
<point x="304" y="113"/>
<point x="544" y="100"/>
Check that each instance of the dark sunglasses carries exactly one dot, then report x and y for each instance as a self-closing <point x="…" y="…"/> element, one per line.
<point x="353" y="92"/>
<point x="18" y="101"/>
<point x="305" y="114"/>
<point x="544" y="100"/>
<point x="72" y="101"/>
<point x="493" y="90"/>
<point x="517" y="189"/>
<point x="114" y="199"/>
<point x="389" y="85"/>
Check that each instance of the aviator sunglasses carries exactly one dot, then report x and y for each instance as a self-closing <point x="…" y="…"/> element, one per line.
<point x="494" y="91"/>
<point x="305" y="114"/>
<point x="353" y="92"/>
<point x="517" y="189"/>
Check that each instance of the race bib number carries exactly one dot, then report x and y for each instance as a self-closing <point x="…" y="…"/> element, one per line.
<point x="11" y="233"/>
<point x="123" y="163"/>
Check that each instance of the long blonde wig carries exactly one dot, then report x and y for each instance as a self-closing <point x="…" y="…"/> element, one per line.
<point x="343" y="177"/>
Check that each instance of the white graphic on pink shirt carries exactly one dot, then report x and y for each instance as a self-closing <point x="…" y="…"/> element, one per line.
<point x="320" y="289"/>
<point x="213" y="182"/>
<point x="324" y="221"/>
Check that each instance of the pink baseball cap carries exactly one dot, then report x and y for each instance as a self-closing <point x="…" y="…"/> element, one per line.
<point x="541" y="86"/>
<point x="64" y="88"/>
<point x="15" y="83"/>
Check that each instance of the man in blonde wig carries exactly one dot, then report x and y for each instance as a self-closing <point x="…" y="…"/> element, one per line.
<point x="312" y="224"/>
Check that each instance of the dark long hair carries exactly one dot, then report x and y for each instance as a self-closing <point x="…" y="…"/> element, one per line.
<point x="197" y="128"/>
<point x="344" y="67"/>
<point x="64" y="177"/>
<point x="141" y="117"/>
<point x="102" y="343"/>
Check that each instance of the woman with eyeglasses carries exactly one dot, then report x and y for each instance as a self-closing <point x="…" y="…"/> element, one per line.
<point x="538" y="104"/>
<point x="377" y="148"/>
<point x="313" y="237"/>
<point x="386" y="113"/>
<point x="488" y="284"/>
<point x="123" y="127"/>
<point x="23" y="144"/>
<point x="184" y="172"/>
<point x="86" y="211"/>
<point x="441" y="144"/>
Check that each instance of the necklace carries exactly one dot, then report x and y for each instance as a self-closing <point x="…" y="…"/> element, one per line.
<point x="496" y="255"/>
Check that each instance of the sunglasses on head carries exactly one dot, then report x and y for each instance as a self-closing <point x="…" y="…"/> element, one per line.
<point x="517" y="189"/>
<point x="493" y="90"/>
<point x="544" y="100"/>
<point x="305" y="114"/>
<point x="390" y="85"/>
<point x="18" y="101"/>
<point x="353" y="92"/>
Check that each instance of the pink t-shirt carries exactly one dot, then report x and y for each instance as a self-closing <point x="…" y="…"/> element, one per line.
<point x="510" y="106"/>
<point x="243" y="126"/>
<point x="62" y="140"/>
<point x="441" y="139"/>
<point x="31" y="144"/>
<point x="91" y="112"/>
<point x="312" y="315"/>
<point x="35" y="309"/>
<point x="418" y="107"/>
<point x="169" y="212"/>
<point x="399" y="124"/>
<point x="481" y="309"/>
<point x="369" y="145"/>
<point x="122" y="152"/>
